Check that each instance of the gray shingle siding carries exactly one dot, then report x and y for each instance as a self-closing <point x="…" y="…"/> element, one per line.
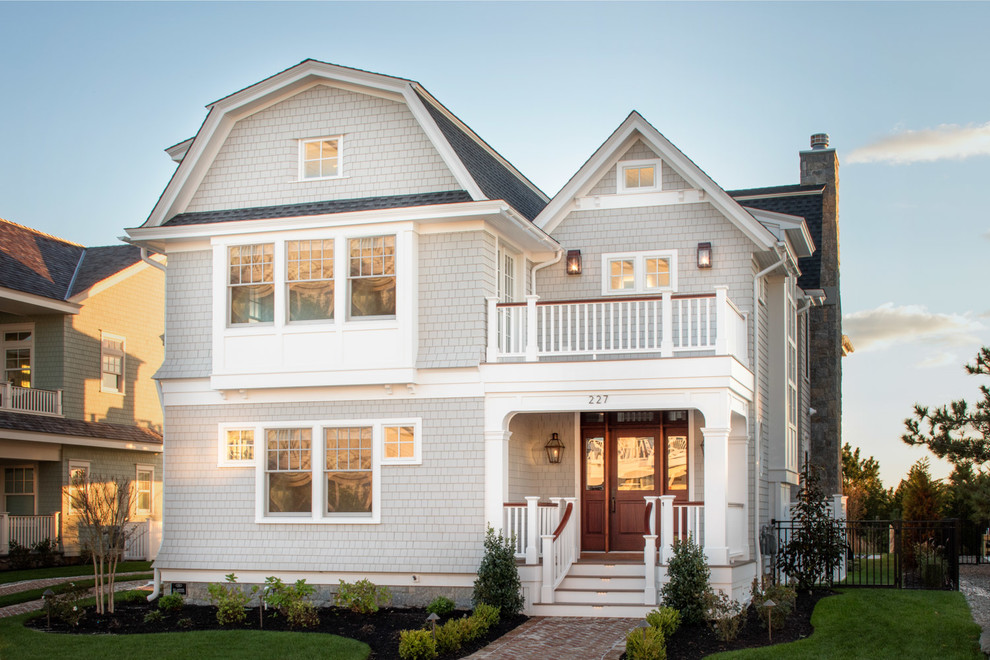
<point x="189" y="316"/>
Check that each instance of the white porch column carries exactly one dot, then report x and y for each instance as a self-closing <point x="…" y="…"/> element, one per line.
<point x="666" y="528"/>
<point x="496" y="475"/>
<point x="667" y="325"/>
<point x="716" y="495"/>
<point x="650" y="561"/>
<point x="492" y="354"/>
<point x="532" y="529"/>
<point x="4" y="532"/>
<point x="531" y="347"/>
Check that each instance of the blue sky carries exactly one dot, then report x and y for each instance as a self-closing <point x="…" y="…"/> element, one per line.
<point x="90" y="94"/>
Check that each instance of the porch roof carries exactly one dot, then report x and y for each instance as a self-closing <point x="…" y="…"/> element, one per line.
<point x="100" y="432"/>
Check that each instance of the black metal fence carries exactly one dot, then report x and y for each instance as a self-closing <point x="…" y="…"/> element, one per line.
<point x="896" y="554"/>
<point x="973" y="542"/>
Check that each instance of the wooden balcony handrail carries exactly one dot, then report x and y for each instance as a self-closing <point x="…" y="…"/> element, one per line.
<point x="658" y="297"/>
<point x="563" y="521"/>
<point x="546" y="504"/>
<point x="690" y="503"/>
<point x="647" y="514"/>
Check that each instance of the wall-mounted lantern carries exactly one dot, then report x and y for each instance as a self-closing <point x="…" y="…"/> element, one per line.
<point x="704" y="255"/>
<point x="555" y="449"/>
<point x="574" y="262"/>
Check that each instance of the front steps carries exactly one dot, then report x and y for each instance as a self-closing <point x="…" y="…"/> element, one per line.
<point x="599" y="588"/>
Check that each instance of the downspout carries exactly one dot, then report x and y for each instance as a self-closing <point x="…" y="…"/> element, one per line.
<point x="151" y="262"/>
<point x="758" y="427"/>
<point x="560" y="254"/>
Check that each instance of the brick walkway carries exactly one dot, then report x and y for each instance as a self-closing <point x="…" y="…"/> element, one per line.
<point x="30" y="606"/>
<point x="562" y="638"/>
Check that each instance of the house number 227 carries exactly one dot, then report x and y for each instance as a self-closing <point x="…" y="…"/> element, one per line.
<point x="597" y="399"/>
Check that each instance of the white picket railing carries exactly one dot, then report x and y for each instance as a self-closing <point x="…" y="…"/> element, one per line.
<point x="659" y="325"/>
<point x="688" y="519"/>
<point x="143" y="540"/>
<point x="516" y="518"/>
<point x="559" y="551"/>
<point x="28" y="530"/>
<point x="30" y="399"/>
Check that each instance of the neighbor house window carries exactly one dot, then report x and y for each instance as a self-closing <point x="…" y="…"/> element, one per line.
<point x="310" y="279"/>
<point x="144" y="483"/>
<point x="18" y="491"/>
<point x="251" y="283"/>
<point x="111" y="363"/>
<point x="288" y="470"/>
<point x="236" y="446"/>
<point x="18" y="343"/>
<point x="78" y="476"/>
<point x="319" y="158"/>
<point x="371" y="276"/>
<point x="638" y="176"/>
<point x="639" y="272"/>
<point x="348" y="470"/>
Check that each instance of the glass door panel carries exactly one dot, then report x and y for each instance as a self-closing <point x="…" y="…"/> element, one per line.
<point x="635" y="462"/>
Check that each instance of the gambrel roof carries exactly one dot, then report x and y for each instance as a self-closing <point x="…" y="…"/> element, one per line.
<point x="480" y="171"/>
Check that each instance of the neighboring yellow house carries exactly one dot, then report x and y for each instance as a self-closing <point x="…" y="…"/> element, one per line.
<point x="81" y="334"/>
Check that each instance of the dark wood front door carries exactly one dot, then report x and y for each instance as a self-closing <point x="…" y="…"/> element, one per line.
<point x="634" y="473"/>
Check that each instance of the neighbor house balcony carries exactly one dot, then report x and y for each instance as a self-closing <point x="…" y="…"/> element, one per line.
<point x="30" y="400"/>
<point x="671" y="325"/>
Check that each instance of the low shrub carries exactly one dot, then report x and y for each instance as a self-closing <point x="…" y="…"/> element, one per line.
<point x="292" y="602"/>
<point x="46" y="550"/>
<point x="154" y="616"/>
<point x="440" y="605"/>
<point x="170" y="603"/>
<point x="498" y="578"/>
<point x="417" y="645"/>
<point x="363" y="596"/>
<point x="647" y="643"/>
<point x="230" y="600"/>
<point x="185" y="623"/>
<point x="487" y="617"/>
<point x="18" y="556"/>
<point x="665" y="619"/>
<point x="725" y="615"/>
<point x="782" y="595"/>
<point x="302" y="614"/>
<point x="688" y="589"/>
<point x="64" y="605"/>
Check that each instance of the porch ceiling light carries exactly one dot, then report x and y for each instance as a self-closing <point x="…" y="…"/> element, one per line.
<point x="704" y="255"/>
<point x="574" y="262"/>
<point x="555" y="449"/>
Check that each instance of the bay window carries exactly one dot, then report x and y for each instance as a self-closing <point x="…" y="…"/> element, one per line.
<point x="251" y="280"/>
<point x="372" y="276"/>
<point x="310" y="280"/>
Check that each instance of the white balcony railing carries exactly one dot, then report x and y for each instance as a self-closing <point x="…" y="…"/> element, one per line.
<point x="664" y="326"/>
<point x="30" y="399"/>
<point x="527" y="523"/>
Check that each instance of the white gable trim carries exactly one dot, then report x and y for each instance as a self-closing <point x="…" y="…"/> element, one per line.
<point x="794" y="227"/>
<point x="608" y="155"/>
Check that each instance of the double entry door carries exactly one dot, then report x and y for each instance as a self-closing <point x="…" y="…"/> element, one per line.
<point x="627" y="456"/>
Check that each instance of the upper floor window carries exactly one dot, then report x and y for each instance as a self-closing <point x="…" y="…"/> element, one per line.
<point x="506" y="276"/>
<point x="371" y="276"/>
<point x="111" y="363"/>
<point x="310" y="280"/>
<point x="251" y="282"/>
<point x="319" y="158"/>
<point x="18" y="344"/>
<point x="638" y="176"/>
<point x="236" y="447"/>
<point x="639" y="272"/>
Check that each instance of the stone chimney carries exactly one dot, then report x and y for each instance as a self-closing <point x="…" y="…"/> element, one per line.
<point x="820" y="166"/>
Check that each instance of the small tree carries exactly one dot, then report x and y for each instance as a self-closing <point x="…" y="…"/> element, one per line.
<point x="816" y="546"/>
<point x="498" y="578"/>
<point x="689" y="586"/>
<point x="103" y="509"/>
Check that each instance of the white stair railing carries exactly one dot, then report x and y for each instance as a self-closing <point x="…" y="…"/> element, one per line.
<point x="559" y="551"/>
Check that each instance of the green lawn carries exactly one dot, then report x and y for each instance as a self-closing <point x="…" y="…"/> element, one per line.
<point x="20" y="643"/>
<point x="68" y="571"/>
<point x="35" y="594"/>
<point x="883" y="623"/>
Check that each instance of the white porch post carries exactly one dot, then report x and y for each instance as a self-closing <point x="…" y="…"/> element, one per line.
<point x="492" y="355"/>
<point x="666" y="528"/>
<point x="558" y="511"/>
<point x="716" y="495"/>
<point x="532" y="528"/>
<point x="667" y="325"/>
<point x="531" y="347"/>
<point x="839" y="506"/>
<point x="546" y="592"/>
<point x="4" y="532"/>
<point x="722" y="320"/>
<point x="496" y="475"/>
<point x="650" y="560"/>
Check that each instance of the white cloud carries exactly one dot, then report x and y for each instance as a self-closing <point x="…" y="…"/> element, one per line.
<point x="945" y="142"/>
<point x="986" y="234"/>
<point x="940" y="359"/>
<point x="887" y="325"/>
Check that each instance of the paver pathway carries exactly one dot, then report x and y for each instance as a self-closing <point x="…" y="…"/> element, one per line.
<point x="562" y="638"/>
<point x="26" y="585"/>
<point x="30" y="606"/>
<point x="974" y="582"/>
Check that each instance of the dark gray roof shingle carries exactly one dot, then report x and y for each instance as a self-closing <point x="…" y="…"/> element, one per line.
<point x="803" y="201"/>
<point x="77" y="427"/>
<point x="495" y="179"/>
<point x="99" y="263"/>
<point x="320" y="208"/>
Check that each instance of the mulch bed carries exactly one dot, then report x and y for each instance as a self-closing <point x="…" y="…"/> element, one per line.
<point x="380" y="631"/>
<point x="699" y="640"/>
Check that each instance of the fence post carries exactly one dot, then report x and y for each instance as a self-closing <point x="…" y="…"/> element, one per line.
<point x="532" y="528"/>
<point x="4" y="532"/>
<point x="667" y="528"/>
<point x="57" y="528"/>
<point x="6" y="404"/>
<point x="546" y="593"/>
<point x="667" y="323"/>
<point x="532" y="349"/>
<point x="649" y="561"/>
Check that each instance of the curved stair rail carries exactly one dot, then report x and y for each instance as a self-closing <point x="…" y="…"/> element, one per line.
<point x="650" y="550"/>
<point x="559" y="551"/>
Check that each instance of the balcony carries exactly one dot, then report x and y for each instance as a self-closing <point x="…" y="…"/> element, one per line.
<point x="30" y="400"/>
<point x="674" y="325"/>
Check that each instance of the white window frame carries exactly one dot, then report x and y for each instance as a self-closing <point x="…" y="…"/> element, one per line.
<point x="318" y="465"/>
<point x="417" y="457"/>
<point x="34" y="483"/>
<point x="507" y="274"/>
<point x="349" y="279"/>
<point x="620" y="176"/>
<point x="792" y="403"/>
<point x="75" y="465"/>
<point x="639" y="272"/>
<point x="24" y="343"/>
<point x="138" y="469"/>
<point x="222" y="460"/>
<point x="123" y="362"/>
<point x="302" y="158"/>
<point x="276" y="282"/>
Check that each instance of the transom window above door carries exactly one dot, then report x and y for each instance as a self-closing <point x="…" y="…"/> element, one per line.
<point x="639" y="272"/>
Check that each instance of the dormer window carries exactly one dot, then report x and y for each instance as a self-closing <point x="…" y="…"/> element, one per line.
<point x="636" y="176"/>
<point x="319" y="158"/>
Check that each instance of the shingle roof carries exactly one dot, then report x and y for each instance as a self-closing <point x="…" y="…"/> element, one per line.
<point x="495" y="179"/>
<point x="320" y="208"/>
<point x="803" y="201"/>
<point x="77" y="427"/>
<point x="44" y="265"/>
